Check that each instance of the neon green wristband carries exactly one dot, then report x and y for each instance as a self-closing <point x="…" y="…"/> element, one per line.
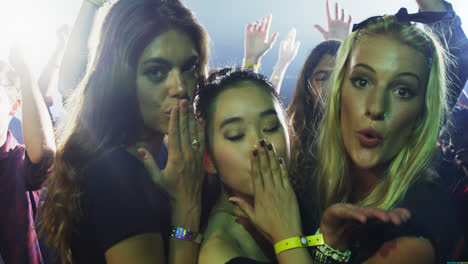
<point x="98" y="3"/>
<point x="298" y="242"/>
<point x="249" y="65"/>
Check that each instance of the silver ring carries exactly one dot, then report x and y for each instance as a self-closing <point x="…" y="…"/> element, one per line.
<point x="195" y="144"/>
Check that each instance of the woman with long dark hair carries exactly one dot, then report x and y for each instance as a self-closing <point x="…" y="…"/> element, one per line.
<point x="103" y="205"/>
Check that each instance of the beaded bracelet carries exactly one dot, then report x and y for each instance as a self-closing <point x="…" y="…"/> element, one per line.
<point x="326" y="254"/>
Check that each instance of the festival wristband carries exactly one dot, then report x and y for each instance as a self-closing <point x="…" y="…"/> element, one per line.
<point x="186" y="234"/>
<point x="298" y="242"/>
<point x="98" y="3"/>
<point x="249" y="65"/>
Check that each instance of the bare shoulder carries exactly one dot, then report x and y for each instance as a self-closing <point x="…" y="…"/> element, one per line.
<point x="218" y="247"/>
<point x="143" y="248"/>
<point x="410" y="250"/>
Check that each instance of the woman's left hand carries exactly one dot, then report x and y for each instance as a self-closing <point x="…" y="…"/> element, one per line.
<point x="275" y="210"/>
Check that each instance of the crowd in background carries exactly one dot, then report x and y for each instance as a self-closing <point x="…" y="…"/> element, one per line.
<point x="159" y="158"/>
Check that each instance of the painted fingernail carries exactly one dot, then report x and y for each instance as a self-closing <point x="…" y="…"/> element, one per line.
<point x="262" y="143"/>
<point x="254" y="146"/>
<point x="281" y="161"/>
<point x="142" y="153"/>
<point x="255" y="152"/>
<point x="270" y="146"/>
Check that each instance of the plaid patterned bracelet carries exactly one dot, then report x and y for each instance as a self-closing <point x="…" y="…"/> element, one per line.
<point x="186" y="234"/>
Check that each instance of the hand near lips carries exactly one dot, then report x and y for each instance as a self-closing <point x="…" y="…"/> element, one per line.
<point x="275" y="210"/>
<point x="340" y="221"/>
<point x="183" y="176"/>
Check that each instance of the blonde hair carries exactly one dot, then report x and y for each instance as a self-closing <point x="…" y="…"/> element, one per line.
<point x="332" y="176"/>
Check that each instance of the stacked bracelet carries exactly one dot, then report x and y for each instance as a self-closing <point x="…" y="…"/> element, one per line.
<point x="326" y="254"/>
<point x="185" y="234"/>
<point x="298" y="242"/>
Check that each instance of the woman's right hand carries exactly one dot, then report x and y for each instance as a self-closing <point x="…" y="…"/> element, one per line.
<point x="341" y="219"/>
<point x="183" y="176"/>
<point x="338" y="28"/>
<point x="257" y="41"/>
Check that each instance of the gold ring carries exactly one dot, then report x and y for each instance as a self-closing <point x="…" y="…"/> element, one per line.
<point x="195" y="144"/>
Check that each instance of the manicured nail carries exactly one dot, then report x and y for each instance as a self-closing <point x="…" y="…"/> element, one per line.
<point x="142" y="153"/>
<point x="281" y="161"/>
<point x="255" y="152"/>
<point x="270" y="146"/>
<point x="262" y="143"/>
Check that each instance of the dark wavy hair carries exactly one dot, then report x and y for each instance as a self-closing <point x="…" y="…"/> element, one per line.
<point x="306" y="109"/>
<point x="217" y="82"/>
<point x="103" y="111"/>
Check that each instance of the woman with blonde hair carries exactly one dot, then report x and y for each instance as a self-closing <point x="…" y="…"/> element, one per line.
<point x="378" y="136"/>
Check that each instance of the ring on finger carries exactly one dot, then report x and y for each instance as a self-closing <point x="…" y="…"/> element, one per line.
<point x="195" y="143"/>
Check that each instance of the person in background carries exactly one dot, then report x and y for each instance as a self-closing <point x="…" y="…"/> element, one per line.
<point x="257" y="43"/>
<point x="23" y="168"/>
<point x="453" y="166"/>
<point x="47" y="82"/>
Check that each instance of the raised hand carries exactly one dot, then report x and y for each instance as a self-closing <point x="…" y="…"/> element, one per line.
<point x="62" y="34"/>
<point x="257" y="40"/>
<point x="183" y="176"/>
<point x="275" y="211"/>
<point x="340" y="220"/>
<point x="20" y="64"/>
<point x="288" y="48"/>
<point x="338" y="28"/>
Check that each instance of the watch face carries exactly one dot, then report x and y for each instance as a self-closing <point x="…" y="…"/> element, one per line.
<point x="303" y="241"/>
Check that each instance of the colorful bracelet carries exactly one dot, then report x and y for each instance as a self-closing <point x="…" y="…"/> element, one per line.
<point x="186" y="234"/>
<point x="298" y="242"/>
<point x="326" y="254"/>
<point x="250" y="65"/>
<point x="98" y="3"/>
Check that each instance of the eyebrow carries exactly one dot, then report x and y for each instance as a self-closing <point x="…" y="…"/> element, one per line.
<point x="367" y="67"/>
<point x="238" y="119"/>
<point x="321" y="72"/>
<point x="399" y="75"/>
<point x="165" y="62"/>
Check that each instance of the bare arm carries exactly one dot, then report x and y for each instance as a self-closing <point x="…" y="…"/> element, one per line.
<point x="257" y="42"/>
<point x="38" y="133"/>
<point x="451" y="33"/>
<point x="181" y="251"/>
<point x="145" y="249"/>
<point x="287" y="53"/>
<point x="75" y="58"/>
<point x="50" y="72"/>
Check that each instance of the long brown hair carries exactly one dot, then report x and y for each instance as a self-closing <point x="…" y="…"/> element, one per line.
<point x="103" y="110"/>
<point x="305" y="112"/>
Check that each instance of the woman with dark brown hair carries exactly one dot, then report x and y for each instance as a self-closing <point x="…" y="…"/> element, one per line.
<point x="103" y="205"/>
